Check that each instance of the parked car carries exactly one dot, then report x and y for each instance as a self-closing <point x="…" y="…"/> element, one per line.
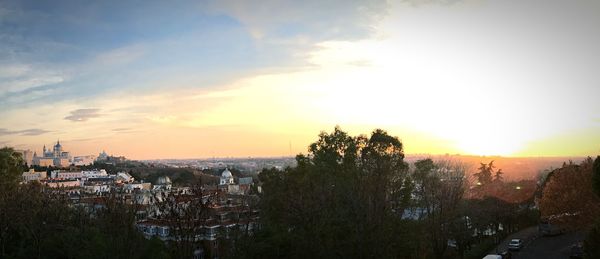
<point x="547" y="229"/>
<point x="576" y="251"/>
<point x="492" y="257"/>
<point x="515" y="244"/>
<point x="506" y="255"/>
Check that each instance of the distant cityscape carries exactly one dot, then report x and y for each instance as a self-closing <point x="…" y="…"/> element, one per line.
<point x="227" y="200"/>
<point x="57" y="156"/>
<point x="222" y="194"/>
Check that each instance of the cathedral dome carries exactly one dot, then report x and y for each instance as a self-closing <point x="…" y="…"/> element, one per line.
<point x="164" y="180"/>
<point x="57" y="146"/>
<point x="226" y="174"/>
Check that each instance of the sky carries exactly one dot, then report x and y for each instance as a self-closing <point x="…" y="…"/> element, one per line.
<point x="196" y="79"/>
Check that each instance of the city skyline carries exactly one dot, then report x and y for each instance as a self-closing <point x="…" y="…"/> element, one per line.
<point x="231" y="79"/>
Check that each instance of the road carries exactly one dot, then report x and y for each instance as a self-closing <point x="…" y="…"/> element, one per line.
<point x="528" y="235"/>
<point x="540" y="247"/>
<point x="553" y="247"/>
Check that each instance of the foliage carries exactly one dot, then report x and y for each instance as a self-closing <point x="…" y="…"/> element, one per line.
<point x="568" y="196"/>
<point x="484" y="175"/>
<point x="344" y="199"/>
<point x="41" y="223"/>
<point x="184" y="214"/>
<point x="179" y="176"/>
<point x="591" y="244"/>
<point x="480" y="250"/>
<point x="596" y="176"/>
<point x="439" y="189"/>
<point x="11" y="167"/>
<point x="498" y="176"/>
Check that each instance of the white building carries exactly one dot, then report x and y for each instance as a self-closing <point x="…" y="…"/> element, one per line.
<point x="57" y="155"/>
<point x="226" y="177"/>
<point x="233" y="189"/>
<point x="125" y="177"/>
<point x="102" y="156"/>
<point x="139" y="186"/>
<point x="96" y="188"/>
<point x="94" y="173"/>
<point x="59" y="174"/>
<point x="84" y="160"/>
<point x="32" y="175"/>
<point x="63" y="183"/>
<point x="163" y="183"/>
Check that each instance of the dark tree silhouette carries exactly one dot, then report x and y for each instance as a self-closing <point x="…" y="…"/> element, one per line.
<point x="484" y="175"/>
<point x="498" y="176"/>
<point x="439" y="188"/>
<point x="344" y="199"/>
<point x="596" y="176"/>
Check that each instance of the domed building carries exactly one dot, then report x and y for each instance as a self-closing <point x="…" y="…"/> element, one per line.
<point x="58" y="150"/>
<point x="53" y="157"/>
<point x="226" y="177"/>
<point x="163" y="180"/>
<point x="163" y="183"/>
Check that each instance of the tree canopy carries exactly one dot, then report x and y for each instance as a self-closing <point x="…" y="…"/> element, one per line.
<point x="11" y="167"/>
<point x="38" y="223"/>
<point x="596" y="176"/>
<point x="344" y="199"/>
<point x="568" y="196"/>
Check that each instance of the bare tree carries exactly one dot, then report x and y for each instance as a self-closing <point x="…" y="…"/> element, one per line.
<point x="439" y="189"/>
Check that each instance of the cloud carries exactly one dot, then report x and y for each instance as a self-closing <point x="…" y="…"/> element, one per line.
<point x="352" y="19"/>
<point x="21" y="84"/>
<point x="83" y="115"/>
<point x="84" y="139"/>
<point x="33" y="132"/>
<point x="123" y="55"/>
<point x="77" y="51"/>
<point x="121" y="129"/>
<point x="13" y="70"/>
<point x="26" y="132"/>
<point x="360" y="63"/>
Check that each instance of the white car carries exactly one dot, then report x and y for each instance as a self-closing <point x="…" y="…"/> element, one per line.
<point x="515" y="244"/>
<point x="493" y="257"/>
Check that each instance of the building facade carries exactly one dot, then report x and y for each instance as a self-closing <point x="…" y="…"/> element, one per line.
<point x="226" y="177"/>
<point x="32" y="175"/>
<point x="57" y="155"/>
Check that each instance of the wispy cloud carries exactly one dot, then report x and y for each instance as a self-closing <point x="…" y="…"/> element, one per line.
<point x="122" y="55"/>
<point x="80" y="115"/>
<point x="83" y="139"/>
<point x="26" y="132"/>
<point x="280" y="19"/>
<point x="121" y="129"/>
<point x="360" y="63"/>
<point x="126" y="130"/>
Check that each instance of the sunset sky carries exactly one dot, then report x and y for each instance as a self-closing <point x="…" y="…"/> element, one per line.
<point x="192" y="79"/>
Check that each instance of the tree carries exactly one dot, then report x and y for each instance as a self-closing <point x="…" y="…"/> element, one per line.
<point x="11" y="164"/>
<point x="498" y="176"/>
<point x="596" y="176"/>
<point x="592" y="240"/>
<point x="344" y="199"/>
<point x="37" y="222"/>
<point x="439" y="189"/>
<point x="568" y="197"/>
<point x="185" y="215"/>
<point x="11" y="167"/>
<point x="484" y="175"/>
